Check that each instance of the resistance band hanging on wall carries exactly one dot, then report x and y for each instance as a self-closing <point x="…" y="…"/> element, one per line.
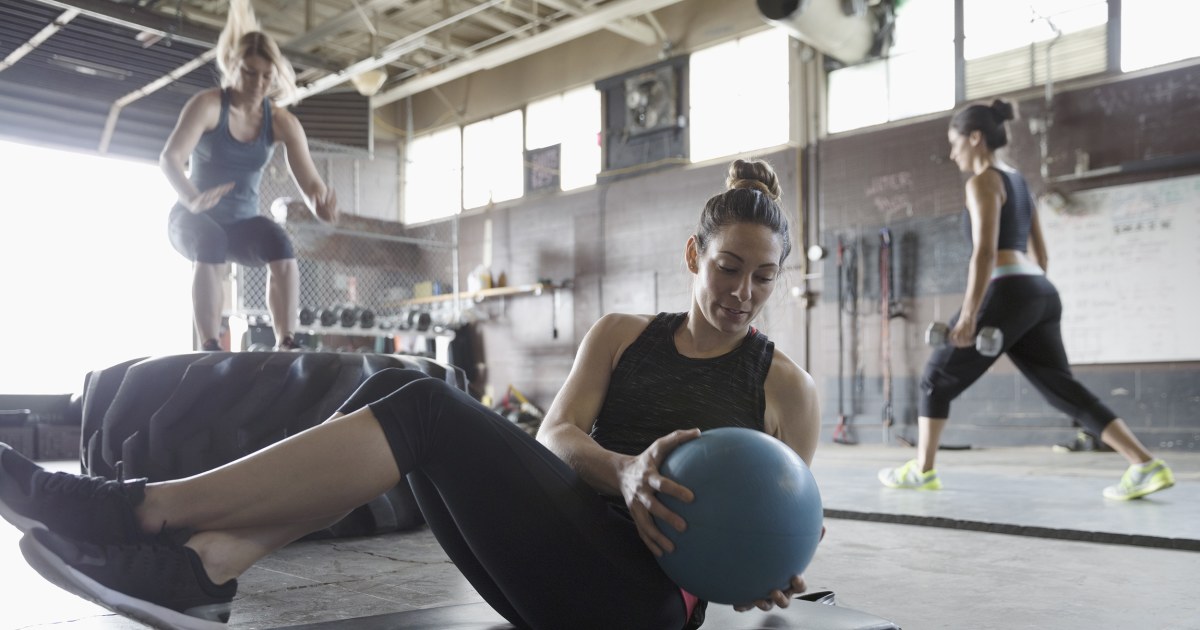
<point x="885" y="318"/>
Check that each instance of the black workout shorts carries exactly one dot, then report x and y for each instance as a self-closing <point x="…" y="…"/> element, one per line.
<point x="251" y="242"/>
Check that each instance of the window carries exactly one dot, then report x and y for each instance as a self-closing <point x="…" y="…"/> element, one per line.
<point x="1010" y="46"/>
<point x="89" y="277"/>
<point x="493" y="160"/>
<point x="739" y="96"/>
<point x="571" y="120"/>
<point x="432" y="176"/>
<point x="917" y="76"/>
<point x="1155" y="32"/>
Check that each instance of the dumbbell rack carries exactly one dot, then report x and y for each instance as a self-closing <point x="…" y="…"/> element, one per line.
<point x="441" y="336"/>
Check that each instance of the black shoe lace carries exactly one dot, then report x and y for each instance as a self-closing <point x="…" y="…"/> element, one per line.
<point x="76" y="485"/>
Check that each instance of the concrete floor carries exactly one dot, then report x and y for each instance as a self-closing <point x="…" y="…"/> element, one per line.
<point x="1049" y="574"/>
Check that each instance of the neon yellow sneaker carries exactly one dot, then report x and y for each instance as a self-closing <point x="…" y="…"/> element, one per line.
<point x="910" y="477"/>
<point x="1140" y="480"/>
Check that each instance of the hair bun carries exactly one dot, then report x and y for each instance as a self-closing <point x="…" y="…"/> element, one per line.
<point x="754" y="174"/>
<point x="1003" y="110"/>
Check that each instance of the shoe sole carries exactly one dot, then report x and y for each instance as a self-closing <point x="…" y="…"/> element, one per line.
<point x="23" y="523"/>
<point x="62" y="575"/>
<point x="895" y="486"/>
<point x="1142" y="493"/>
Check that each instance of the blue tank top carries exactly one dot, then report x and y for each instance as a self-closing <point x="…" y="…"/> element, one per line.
<point x="655" y="390"/>
<point x="1015" y="215"/>
<point x="220" y="158"/>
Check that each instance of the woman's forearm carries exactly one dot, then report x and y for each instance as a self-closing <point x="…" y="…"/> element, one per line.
<point x="979" y="272"/>
<point x="599" y="467"/>
<point x="183" y="186"/>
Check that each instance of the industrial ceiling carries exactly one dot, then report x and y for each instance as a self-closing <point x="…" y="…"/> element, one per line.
<point x="111" y="75"/>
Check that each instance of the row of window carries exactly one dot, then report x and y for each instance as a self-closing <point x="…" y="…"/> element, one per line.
<point x="1006" y="46"/>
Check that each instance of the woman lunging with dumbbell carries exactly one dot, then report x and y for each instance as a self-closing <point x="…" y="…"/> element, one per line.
<point x="1007" y="291"/>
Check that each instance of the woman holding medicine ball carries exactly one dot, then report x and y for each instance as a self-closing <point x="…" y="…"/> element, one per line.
<point x="554" y="532"/>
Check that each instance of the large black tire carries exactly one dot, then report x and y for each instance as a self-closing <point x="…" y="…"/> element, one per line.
<point x="174" y="416"/>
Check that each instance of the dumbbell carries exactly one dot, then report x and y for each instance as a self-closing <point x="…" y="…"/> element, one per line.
<point x="419" y="320"/>
<point x="328" y="317"/>
<point x="366" y="318"/>
<point x="307" y="316"/>
<point x="989" y="342"/>
<point x="348" y="316"/>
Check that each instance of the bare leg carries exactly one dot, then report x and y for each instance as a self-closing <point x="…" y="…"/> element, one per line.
<point x="1123" y="441"/>
<point x="929" y="436"/>
<point x="283" y="296"/>
<point x="207" y="300"/>
<point x="227" y="554"/>
<point x="319" y="473"/>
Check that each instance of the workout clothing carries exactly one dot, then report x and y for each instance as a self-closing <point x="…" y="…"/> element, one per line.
<point x="1017" y="269"/>
<point x="233" y="229"/>
<point x="655" y="390"/>
<point x="251" y="242"/>
<point x="1025" y="306"/>
<point x="1015" y="215"/>
<point x="540" y="545"/>
<point x="220" y="158"/>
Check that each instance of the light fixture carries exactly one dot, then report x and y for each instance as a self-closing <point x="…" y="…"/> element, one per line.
<point x="368" y="82"/>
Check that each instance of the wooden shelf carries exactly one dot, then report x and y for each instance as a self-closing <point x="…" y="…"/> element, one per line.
<point x="481" y="295"/>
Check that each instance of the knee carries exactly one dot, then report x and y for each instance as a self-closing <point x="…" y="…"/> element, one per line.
<point x="935" y="400"/>
<point x="380" y="385"/>
<point x="393" y="378"/>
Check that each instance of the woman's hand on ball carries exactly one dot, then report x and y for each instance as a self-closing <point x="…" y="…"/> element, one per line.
<point x="777" y="597"/>
<point x="640" y="484"/>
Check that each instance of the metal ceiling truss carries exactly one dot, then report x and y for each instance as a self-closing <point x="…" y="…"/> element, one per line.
<point x="421" y="44"/>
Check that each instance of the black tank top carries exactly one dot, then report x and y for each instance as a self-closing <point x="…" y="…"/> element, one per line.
<point x="1015" y="215"/>
<point x="655" y="390"/>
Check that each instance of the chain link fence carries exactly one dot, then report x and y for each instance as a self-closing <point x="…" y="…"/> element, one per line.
<point x="368" y="260"/>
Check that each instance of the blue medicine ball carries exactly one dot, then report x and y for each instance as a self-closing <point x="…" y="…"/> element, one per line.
<point x="755" y="520"/>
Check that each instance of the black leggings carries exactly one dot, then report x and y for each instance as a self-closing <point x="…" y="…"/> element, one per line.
<point x="539" y="545"/>
<point x="1027" y="309"/>
<point x="251" y="242"/>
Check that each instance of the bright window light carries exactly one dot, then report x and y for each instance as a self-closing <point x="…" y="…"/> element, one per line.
<point x="493" y="160"/>
<point x="1155" y="32"/>
<point x="90" y="279"/>
<point x="921" y="81"/>
<point x="433" y="176"/>
<point x="917" y="76"/>
<point x="727" y="116"/>
<point x="858" y="96"/>
<point x="571" y="120"/>
<point x="991" y="27"/>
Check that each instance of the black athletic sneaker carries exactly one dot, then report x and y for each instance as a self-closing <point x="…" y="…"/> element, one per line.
<point x="86" y="508"/>
<point x="288" y="344"/>
<point x="212" y="345"/>
<point x="160" y="584"/>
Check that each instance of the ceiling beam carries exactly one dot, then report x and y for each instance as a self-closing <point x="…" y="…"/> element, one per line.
<point x="626" y="27"/>
<point x="343" y="21"/>
<point x="139" y="19"/>
<point x="558" y="34"/>
<point x="403" y="46"/>
<point x="50" y="29"/>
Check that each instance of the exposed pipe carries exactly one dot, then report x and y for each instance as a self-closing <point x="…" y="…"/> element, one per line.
<point x="1048" y="118"/>
<point x="1158" y="164"/>
<point x="558" y="34"/>
<point x="114" y="112"/>
<point x="41" y="36"/>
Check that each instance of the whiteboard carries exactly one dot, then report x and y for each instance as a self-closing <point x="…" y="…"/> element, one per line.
<point x="1126" y="261"/>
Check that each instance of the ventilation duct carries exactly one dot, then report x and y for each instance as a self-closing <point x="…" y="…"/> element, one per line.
<point x="842" y="29"/>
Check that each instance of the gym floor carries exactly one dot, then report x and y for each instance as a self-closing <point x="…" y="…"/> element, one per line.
<point x="1066" y="559"/>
